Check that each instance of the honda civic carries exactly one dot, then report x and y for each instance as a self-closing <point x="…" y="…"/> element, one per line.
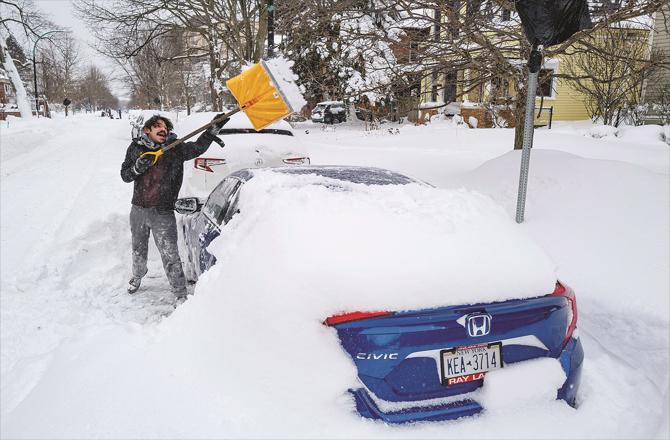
<point x="425" y="364"/>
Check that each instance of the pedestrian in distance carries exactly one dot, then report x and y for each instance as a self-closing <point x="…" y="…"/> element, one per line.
<point x="327" y="115"/>
<point x="156" y="186"/>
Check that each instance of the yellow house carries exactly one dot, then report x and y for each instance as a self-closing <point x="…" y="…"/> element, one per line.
<point x="556" y="96"/>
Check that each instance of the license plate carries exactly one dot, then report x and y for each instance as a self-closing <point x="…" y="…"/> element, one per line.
<point x="465" y="364"/>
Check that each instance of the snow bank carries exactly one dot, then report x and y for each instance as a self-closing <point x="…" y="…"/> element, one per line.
<point x="250" y="345"/>
<point x="589" y="215"/>
<point x="601" y="131"/>
<point x="646" y="134"/>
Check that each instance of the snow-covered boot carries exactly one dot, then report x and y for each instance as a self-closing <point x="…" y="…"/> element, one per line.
<point x="180" y="293"/>
<point x="134" y="284"/>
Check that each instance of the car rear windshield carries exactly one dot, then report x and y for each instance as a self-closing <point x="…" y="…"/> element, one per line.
<point x="252" y="131"/>
<point x="366" y="176"/>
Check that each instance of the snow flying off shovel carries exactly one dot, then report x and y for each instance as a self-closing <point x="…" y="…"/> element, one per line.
<point x="258" y="93"/>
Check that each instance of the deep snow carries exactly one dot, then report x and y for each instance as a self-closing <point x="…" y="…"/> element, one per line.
<point x="76" y="349"/>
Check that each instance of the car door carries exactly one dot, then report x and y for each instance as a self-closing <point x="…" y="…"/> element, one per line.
<point x="213" y="216"/>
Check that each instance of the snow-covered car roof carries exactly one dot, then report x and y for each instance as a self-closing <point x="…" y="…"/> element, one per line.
<point x="329" y="102"/>
<point x="358" y="175"/>
<point x="238" y="120"/>
<point x="420" y="246"/>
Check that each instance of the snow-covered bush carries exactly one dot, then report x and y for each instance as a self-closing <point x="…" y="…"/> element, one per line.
<point x="601" y="131"/>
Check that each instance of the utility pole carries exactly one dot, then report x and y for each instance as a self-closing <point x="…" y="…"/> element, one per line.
<point x="534" y="65"/>
<point x="271" y="28"/>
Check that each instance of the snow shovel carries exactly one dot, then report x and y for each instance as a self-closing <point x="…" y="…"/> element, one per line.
<point x="259" y="95"/>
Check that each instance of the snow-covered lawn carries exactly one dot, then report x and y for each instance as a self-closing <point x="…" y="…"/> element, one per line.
<point x="81" y="358"/>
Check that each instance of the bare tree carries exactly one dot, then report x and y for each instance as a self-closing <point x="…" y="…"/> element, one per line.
<point x="93" y="91"/>
<point x="473" y="48"/>
<point x="612" y="76"/>
<point x="59" y="61"/>
<point x="229" y="32"/>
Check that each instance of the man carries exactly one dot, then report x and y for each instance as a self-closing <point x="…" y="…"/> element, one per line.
<point x="156" y="189"/>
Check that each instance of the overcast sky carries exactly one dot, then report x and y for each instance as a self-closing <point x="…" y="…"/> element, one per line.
<point x="61" y="12"/>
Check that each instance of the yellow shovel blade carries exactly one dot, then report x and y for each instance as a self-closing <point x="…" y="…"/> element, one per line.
<point x="258" y="96"/>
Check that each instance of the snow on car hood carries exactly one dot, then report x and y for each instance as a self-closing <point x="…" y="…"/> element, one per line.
<point x="376" y="247"/>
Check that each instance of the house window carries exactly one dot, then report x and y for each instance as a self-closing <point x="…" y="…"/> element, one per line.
<point x="416" y="37"/>
<point x="412" y="54"/>
<point x="6" y="88"/>
<point x="505" y="14"/>
<point x="545" y="86"/>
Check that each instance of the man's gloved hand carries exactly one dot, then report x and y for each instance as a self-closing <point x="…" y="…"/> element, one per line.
<point x="143" y="163"/>
<point x="214" y="129"/>
<point x="171" y="137"/>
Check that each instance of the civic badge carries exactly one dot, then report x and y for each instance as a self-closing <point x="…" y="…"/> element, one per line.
<point x="478" y="324"/>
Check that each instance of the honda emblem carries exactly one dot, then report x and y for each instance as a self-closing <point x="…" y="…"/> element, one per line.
<point x="478" y="324"/>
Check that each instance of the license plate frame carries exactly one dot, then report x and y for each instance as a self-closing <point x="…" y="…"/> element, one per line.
<point x="469" y="375"/>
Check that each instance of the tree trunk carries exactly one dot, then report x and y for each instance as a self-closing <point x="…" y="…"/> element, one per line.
<point x="261" y="34"/>
<point x="213" y="71"/>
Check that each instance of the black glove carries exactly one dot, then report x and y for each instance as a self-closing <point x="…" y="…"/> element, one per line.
<point x="214" y="129"/>
<point x="171" y="137"/>
<point x="143" y="163"/>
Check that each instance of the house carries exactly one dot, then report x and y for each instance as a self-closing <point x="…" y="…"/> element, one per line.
<point x="8" y="106"/>
<point x="487" y="98"/>
<point x="7" y="97"/>
<point x="658" y="89"/>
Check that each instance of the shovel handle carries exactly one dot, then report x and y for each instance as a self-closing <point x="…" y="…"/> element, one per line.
<point x="198" y="130"/>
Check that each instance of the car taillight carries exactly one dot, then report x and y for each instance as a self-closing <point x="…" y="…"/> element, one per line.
<point x="204" y="163"/>
<point x="353" y="316"/>
<point x="569" y="294"/>
<point x="296" y="161"/>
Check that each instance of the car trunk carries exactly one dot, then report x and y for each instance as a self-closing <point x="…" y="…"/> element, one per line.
<point x="399" y="356"/>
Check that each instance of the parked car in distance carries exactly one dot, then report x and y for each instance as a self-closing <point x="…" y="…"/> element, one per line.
<point x="275" y="145"/>
<point x="329" y="112"/>
<point x="413" y="365"/>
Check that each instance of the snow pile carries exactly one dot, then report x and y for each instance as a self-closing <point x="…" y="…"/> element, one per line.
<point x="644" y="134"/>
<point x="601" y="131"/>
<point x="572" y="201"/>
<point x="523" y="384"/>
<point x="447" y="239"/>
<point x="251" y="343"/>
<point x="282" y="73"/>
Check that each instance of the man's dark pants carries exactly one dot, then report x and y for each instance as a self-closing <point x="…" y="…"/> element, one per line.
<point x="164" y="229"/>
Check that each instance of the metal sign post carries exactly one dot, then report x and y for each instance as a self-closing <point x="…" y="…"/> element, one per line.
<point x="534" y="64"/>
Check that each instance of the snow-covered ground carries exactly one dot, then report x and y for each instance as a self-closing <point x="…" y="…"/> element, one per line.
<point x="81" y="358"/>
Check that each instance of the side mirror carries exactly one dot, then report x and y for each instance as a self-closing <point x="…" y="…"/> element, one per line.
<point x="188" y="205"/>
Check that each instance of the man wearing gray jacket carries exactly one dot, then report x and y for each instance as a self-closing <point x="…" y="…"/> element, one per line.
<point x="156" y="187"/>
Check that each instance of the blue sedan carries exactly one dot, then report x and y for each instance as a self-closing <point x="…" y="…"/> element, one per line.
<point x="428" y="362"/>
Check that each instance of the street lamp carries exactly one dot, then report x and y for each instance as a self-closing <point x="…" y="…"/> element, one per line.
<point x="37" y="99"/>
